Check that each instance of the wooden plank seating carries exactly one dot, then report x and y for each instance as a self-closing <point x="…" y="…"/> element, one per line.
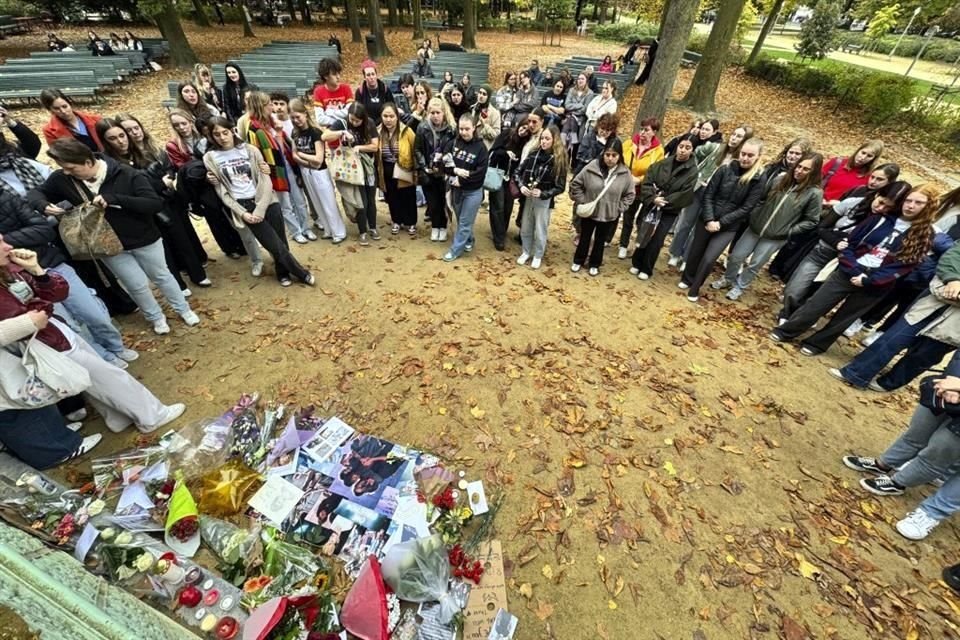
<point x="26" y="87"/>
<point x="850" y="47"/>
<point x="107" y="68"/>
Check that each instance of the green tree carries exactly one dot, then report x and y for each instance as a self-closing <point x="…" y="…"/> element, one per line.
<point x="701" y="96"/>
<point x="677" y="25"/>
<point x="772" y="14"/>
<point x="882" y="23"/>
<point x="817" y="35"/>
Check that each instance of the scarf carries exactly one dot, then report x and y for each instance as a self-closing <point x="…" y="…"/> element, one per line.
<point x="28" y="176"/>
<point x="96" y="182"/>
<point x="273" y="154"/>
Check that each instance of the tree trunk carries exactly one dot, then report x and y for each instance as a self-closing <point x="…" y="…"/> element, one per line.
<point x="292" y="10"/>
<point x="578" y="11"/>
<point x="678" y="23"/>
<point x="247" y="23"/>
<point x="766" y="29"/>
<point x="663" y="18"/>
<point x="701" y="96"/>
<point x="417" y="21"/>
<point x="469" y="40"/>
<point x="168" y="21"/>
<point x="353" y="19"/>
<point x="376" y="28"/>
<point x="305" y="12"/>
<point x="200" y="16"/>
<point x="392" y="19"/>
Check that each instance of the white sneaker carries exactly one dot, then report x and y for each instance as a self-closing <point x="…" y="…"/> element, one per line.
<point x="169" y="413"/>
<point x="535" y="263"/>
<point x="186" y="293"/>
<point x="191" y="318"/>
<point x="593" y="271"/>
<point x="853" y="329"/>
<point x="720" y="283"/>
<point x="643" y="276"/>
<point x="86" y="445"/>
<point x="682" y="265"/>
<point x="434" y="235"/>
<point x="622" y="253"/>
<point x="575" y="267"/>
<point x="74" y="426"/>
<point x="682" y="285"/>
<point x="871" y="337"/>
<point x="443" y="235"/>
<point x="917" y="525"/>
<point x="310" y="235"/>
<point x="523" y="259"/>
<point x="256" y="269"/>
<point x="160" y="327"/>
<point x="77" y="416"/>
<point x="206" y="282"/>
<point x="128" y="355"/>
<point x="673" y="261"/>
<point x="300" y="239"/>
<point x="693" y="298"/>
<point x="634" y="271"/>
<point x="118" y="363"/>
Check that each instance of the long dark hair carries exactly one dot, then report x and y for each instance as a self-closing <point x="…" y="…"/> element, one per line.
<point x="895" y="191"/>
<point x="241" y="83"/>
<point x="134" y="156"/>
<point x="358" y="111"/>
<point x="812" y="179"/>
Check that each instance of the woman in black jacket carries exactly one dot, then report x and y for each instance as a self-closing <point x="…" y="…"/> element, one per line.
<point x="541" y="177"/>
<point x="666" y="189"/>
<point x="130" y="204"/>
<point x="732" y="193"/>
<point x="233" y="89"/>
<point x="504" y="156"/>
<point x="433" y="134"/>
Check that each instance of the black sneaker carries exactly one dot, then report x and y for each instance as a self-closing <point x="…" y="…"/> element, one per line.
<point x="951" y="575"/>
<point x="882" y="486"/>
<point x="864" y="464"/>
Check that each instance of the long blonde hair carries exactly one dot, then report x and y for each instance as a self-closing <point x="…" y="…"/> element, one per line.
<point x="257" y="104"/>
<point x="186" y="115"/>
<point x="198" y="70"/>
<point x="559" y="151"/>
<point x="755" y="169"/>
<point x="876" y="146"/>
<point x="441" y="104"/>
<point x="299" y="106"/>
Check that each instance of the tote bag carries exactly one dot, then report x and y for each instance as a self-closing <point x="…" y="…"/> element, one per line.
<point x="345" y="165"/>
<point x="41" y="376"/>
<point x="493" y="180"/>
<point x="86" y="233"/>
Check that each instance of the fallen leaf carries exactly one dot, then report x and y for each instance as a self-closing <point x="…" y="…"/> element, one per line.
<point x="477" y="412"/>
<point x="544" y="609"/>
<point x="526" y="590"/>
<point x="547" y="572"/>
<point x="807" y="570"/>
<point x="669" y="468"/>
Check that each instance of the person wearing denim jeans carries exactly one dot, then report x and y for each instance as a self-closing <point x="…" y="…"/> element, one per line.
<point x="137" y="268"/>
<point x="91" y="313"/>
<point x="466" y="204"/>
<point x="465" y="160"/>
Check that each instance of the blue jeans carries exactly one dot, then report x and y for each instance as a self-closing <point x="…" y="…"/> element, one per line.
<point x="928" y="444"/>
<point x="946" y="501"/>
<point x="750" y="252"/>
<point x="465" y="204"/>
<point x="686" y="225"/>
<point x="137" y="268"/>
<point x="534" y="227"/>
<point x="88" y="311"/>
<point x="922" y="354"/>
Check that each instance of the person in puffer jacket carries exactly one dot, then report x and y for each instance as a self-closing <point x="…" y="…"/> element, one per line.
<point x="792" y="207"/>
<point x="541" y="176"/>
<point x="880" y="251"/>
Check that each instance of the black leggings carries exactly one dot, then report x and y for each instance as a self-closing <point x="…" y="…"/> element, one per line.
<point x="435" y="192"/>
<point x="270" y="233"/>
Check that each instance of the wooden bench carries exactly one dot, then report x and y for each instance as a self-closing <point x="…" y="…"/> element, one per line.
<point x="27" y="87"/>
<point x="105" y="67"/>
<point x="690" y="59"/>
<point x="849" y="47"/>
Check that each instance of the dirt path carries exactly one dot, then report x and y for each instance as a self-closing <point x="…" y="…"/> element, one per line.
<point x="668" y="471"/>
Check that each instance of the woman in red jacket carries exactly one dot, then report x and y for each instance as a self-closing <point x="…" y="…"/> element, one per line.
<point x="67" y="123"/>
<point x="117" y="396"/>
<point x="843" y="174"/>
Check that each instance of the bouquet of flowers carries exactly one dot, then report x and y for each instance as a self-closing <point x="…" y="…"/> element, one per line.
<point x="124" y="563"/>
<point x="290" y="618"/>
<point x="247" y="436"/>
<point x="419" y="571"/>
<point x="182" y="530"/>
<point x="238" y="550"/>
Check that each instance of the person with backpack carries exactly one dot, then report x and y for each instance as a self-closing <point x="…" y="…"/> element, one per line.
<point x="791" y="207"/>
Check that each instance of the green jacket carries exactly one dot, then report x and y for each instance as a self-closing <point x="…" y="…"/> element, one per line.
<point x="783" y="215"/>
<point x="948" y="267"/>
<point x="707" y="160"/>
<point x="675" y="181"/>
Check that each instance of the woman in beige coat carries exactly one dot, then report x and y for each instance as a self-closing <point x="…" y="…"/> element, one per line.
<point x="606" y="181"/>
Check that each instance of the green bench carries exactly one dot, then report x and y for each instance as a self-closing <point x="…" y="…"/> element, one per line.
<point x="103" y="77"/>
<point x="26" y="87"/>
<point x="108" y="70"/>
<point x="138" y="61"/>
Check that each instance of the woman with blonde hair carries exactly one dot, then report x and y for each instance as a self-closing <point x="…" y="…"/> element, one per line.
<point x="433" y="134"/>
<point x="880" y="251"/>
<point x="310" y="155"/>
<point x="542" y="176"/>
<point x="843" y="174"/>
<point x="396" y="170"/>
<point x="203" y="80"/>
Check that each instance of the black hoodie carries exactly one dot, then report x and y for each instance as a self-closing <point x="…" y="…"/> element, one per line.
<point x="132" y="201"/>
<point x="471" y="156"/>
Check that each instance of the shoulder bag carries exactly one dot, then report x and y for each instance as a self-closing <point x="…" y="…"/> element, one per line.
<point x="41" y="376"/>
<point x="86" y="233"/>
<point x="586" y="210"/>
<point x="345" y="165"/>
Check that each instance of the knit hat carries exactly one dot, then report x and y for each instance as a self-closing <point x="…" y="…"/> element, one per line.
<point x="487" y="88"/>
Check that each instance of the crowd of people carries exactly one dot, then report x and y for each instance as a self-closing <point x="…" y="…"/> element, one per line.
<point x="853" y="244"/>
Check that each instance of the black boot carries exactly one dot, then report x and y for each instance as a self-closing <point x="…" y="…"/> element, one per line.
<point x="951" y="575"/>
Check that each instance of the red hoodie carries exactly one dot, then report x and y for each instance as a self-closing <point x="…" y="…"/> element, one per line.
<point x="46" y="290"/>
<point x="842" y="179"/>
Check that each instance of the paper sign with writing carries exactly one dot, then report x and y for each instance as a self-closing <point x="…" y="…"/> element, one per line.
<point x="488" y="597"/>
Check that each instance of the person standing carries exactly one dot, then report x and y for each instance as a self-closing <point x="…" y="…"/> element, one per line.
<point x="330" y="98"/>
<point x="310" y="154"/>
<point x="504" y="156"/>
<point x="372" y="92"/>
<point x="542" y="176"/>
<point x="708" y="140"/>
<point x="396" y="168"/>
<point x="640" y="152"/>
<point x="465" y="161"/>
<point x="234" y="88"/>
<point x="486" y="116"/>
<point x="433" y="135"/>
<point x="607" y="183"/>
<point x="358" y="131"/>
<point x="66" y="123"/>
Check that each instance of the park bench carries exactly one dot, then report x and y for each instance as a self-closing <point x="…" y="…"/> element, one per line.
<point x="138" y="61"/>
<point x="939" y="92"/>
<point x="690" y="59"/>
<point x="106" y="68"/>
<point x="26" y="87"/>
<point x="104" y="77"/>
<point x="433" y="25"/>
<point x="8" y="26"/>
<point x="850" y="47"/>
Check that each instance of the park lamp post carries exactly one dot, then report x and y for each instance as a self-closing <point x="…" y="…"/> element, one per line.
<point x="932" y="31"/>
<point x="916" y="12"/>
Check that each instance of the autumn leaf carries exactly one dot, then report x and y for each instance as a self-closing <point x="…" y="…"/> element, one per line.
<point x="547" y="572"/>
<point x="526" y="590"/>
<point x="477" y="412"/>
<point x="544" y="609"/>
<point x="807" y="570"/>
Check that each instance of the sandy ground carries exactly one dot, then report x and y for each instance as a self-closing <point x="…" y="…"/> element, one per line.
<point x="668" y="472"/>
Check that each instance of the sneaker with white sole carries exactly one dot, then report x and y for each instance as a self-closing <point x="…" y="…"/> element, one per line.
<point x="77" y="416"/>
<point x="364" y="242"/>
<point x="206" y="282"/>
<point x="449" y="257"/>
<point x="374" y="234"/>
<point x="593" y="271"/>
<point x="443" y="235"/>
<point x="643" y="276"/>
<point x="160" y="327"/>
<point x="300" y="239"/>
<point x="882" y="486"/>
<point x="186" y="293"/>
<point x="395" y="229"/>
<point x="734" y="294"/>
<point x="535" y="263"/>
<point x="622" y="253"/>
<point x="807" y="351"/>
<point x="310" y="235"/>
<point x="434" y="235"/>
<point x="693" y="298"/>
<point x="286" y="282"/>
<point x="720" y="283"/>
<point x="871" y="337"/>
<point x="129" y="355"/>
<point x="634" y="271"/>
<point x="118" y="363"/>
<point x="674" y="261"/>
<point x="682" y="285"/>
<point x="190" y="318"/>
<point x="864" y="464"/>
<point x="167" y="415"/>
<point x="853" y="329"/>
<point x="873" y="385"/>
<point x="74" y="426"/>
<point x="575" y="267"/>
<point x="310" y="280"/>
<point x="838" y="374"/>
<point x="86" y="445"/>
<point x="256" y="269"/>
<point x="522" y="260"/>
<point x="917" y="525"/>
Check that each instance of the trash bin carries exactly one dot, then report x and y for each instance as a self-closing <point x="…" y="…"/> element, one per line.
<point x="371" y="46"/>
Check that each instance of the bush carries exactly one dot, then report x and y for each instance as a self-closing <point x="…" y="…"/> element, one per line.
<point x="884" y="96"/>
<point x="940" y="49"/>
<point x="624" y="32"/>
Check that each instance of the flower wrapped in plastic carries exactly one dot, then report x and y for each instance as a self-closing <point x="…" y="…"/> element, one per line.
<point x="239" y="550"/>
<point x="419" y="571"/>
<point x="290" y="618"/>
<point x="285" y="567"/>
<point x="182" y="530"/>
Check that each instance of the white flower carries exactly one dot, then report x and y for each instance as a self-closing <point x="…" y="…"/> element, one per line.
<point x="96" y="507"/>
<point x="143" y="562"/>
<point x="108" y="533"/>
<point x="124" y="538"/>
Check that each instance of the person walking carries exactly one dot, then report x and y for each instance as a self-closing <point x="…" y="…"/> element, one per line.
<point x="541" y="177"/>
<point x="465" y="161"/>
<point x="606" y="186"/>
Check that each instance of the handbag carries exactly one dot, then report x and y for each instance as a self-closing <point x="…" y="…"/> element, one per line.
<point x="345" y="165"/>
<point x="493" y="179"/>
<point x="647" y="227"/>
<point x="515" y="190"/>
<point x="586" y="210"/>
<point x="86" y="233"/>
<point x="41" y="376"/>
<point x="399" y="173"/>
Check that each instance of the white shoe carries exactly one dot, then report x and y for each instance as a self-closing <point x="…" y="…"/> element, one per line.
<point x="871" y="337"/>
<point x="169" y="413"/>
<point x="86" y="445"/>
<point x="256" y="269"/>
<point x="853" y="329"/>
<point x="575" y="267"/>
<point x="186" y="293"/>
<point x="622" y="253"/>
<point x="191" y="318"/>
<point x="673" y="261"/>
<point x="434" y="235"/>
<point x="300" y="239"/>
<point x="917" y="525"/>
<point x="523" y="259"/>
<point x="310" y="235"/>
<point x="129" y="355"/>
<point x="74" y="426"/>
<point x="443" y="235"/>
<point x="118" y="363"/>
<point x="682" y="285"/>
<point x="720" y="283"/>
<point x="76" y="416"/>
<point x="682" y="265"/>
<point x="311" y="280"/>
<point x="206" y="282"/>
<point x="634" y="271"/>
<point x="160" y="327"/>
<point x="693" y="298"/>
<point x="535" y="263"/>
<point x="593" y="271"/>
<point x="643" y="276"/>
